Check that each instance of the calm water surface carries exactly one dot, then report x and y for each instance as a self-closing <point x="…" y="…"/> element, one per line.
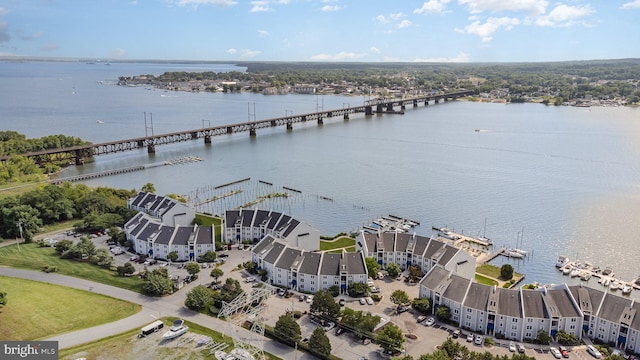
<point x="551" y="180"/>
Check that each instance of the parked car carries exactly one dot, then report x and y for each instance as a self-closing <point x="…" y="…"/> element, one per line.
<point x="594" y="352"/>
<point x="369" y="301"/>
<point x="301" y="298"/>
<point x="520" y="348"/>
<point x="249" y="279"/>
<point x="339" y="331"/>
<point x="512" y="346"/>
<point x="478" y="340"/>
<point x="366" y="341"/>
<point x="329" y="325"/>
<point x="456" y="333"/>
<point x="555" y="352"/>
<point x="564" y="351"/>
<point x="342" y="302"/>
<point x="421" y="318"/>
<point x="362" y="301"/>
<point x="429" y="322"/>
<point x="281" y="292"/>
<point x="402" y="309"/>
<point x="309" y="299"/>
<point x="305" y="340"/>
<point x="470" y="337"/>
<point x="223" y="255"/>
<point x="374" y="290"/>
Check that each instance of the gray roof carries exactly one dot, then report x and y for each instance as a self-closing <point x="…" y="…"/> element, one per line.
<point x="371" y="240"/>
<point x="264" y="244"/>
<point x="283" y="223"/>
<point x="287" y="258"/>
<point x="588" y="299"/>
<point x="477" y="296"/>
<point x="149" y="231"/>
<point x="355" y="263"/>
<point x="143" y="222"/>
<point x="533" y="305"/>
<point x="402" y="240"/>
<point x="434" y="246"/>
<point x="165" y="235"/>
<point x="635" y="324"/>
<point x="182" y="235"/>
<point x="136" y="200"/>
<point x="292" y="225"/>
<point x="434" y="277"/>
<point x="563" y="302"/>
<point x="230" y="217"/>
<point x="274" y="253"/>
<point x="274" y="220"/>
<point x="457" y="288"/>
<point x="330" y="264"/>
<point x="205" y="235"/>
<point x="388" y="241"/>
<point x="509" y="303"/>
<point x="247" y="217"/>
<point x="261" y="215"/>
<point x="421" y="245"/>
<point x="310" y="263"/>
<point x="449" y="252"/>
<point x="612" y="307"/>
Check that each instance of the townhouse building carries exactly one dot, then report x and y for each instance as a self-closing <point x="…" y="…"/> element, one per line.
<point x="168" y="211"/>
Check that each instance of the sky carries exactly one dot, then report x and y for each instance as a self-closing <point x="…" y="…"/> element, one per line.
<point x="322" y="30"/>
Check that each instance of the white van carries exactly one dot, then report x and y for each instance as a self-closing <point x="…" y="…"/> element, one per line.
<point x="594" y="352"/>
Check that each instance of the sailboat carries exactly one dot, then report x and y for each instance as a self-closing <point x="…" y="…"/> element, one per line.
<point x="483" y="237"/>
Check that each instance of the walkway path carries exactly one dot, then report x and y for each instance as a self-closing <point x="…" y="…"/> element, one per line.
<point x="152" y="308"/>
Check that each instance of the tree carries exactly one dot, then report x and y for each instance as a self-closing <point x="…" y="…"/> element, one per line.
<point x="393" y="269"/>
<point x="356" y="289"/>
<point x="400" y="297"/>
<point x="198" y="298"/>
<point x="506" y="272"/>
<point x="372" y="266"/>
<point x="192" y="268"/>
<point x="3" y="299"/>
<point x="209" y="256"/>
<point x="148" y="187"/>
<point x="216" y="272"/>
<point x="319" y="344"/>
<point x="422" y="304"/>
<point x="443" y="313"/>
<point x="157" y="283"/>
<point x="543" y="338"/>
<point x="63" y="245"/>
<point x="127" y="269"/>
<point x="390" y="337"/>
<point x="325" y="305"/>
<point x="415" y="272"/>
<point x="172" y="256"/>
<point x="565" y="338"/>
<point x="287" y="330"/>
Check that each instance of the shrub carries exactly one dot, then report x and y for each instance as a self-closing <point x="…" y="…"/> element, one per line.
<point x="49" y="269"/>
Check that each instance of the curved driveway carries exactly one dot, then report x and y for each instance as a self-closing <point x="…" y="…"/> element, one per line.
<point x="152" y="308"/>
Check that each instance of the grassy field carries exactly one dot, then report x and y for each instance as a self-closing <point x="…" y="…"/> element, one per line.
<point x="480" y="279"/>
<point x="494" y="271"/>
<point x="341" y="242"/>
<point x="38" y="310"/>
<point x="127" y="345"/>
<point x="30" y="256"/>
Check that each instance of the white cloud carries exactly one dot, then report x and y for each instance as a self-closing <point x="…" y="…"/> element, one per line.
<point x="374" y="50"/>
<point x="249" y="54"/>
<point x="331" y="8"/>
<point x="263" y="33"/>
<point x="260" y="6"/>
<point x="460" y="58"/>
<point x="118" y="54"/>
<point x="196" y="3"/>
<point x="281" y="2"/>
<point x="232" y="51"/>
<point x="403" y="24"/>
<point x="487" y="29"/>
<point x="534" y="7"/>
<point x="432" y="7"/>
<point x="564" y="15"/>
<point x="631" y="5"/>
<point x="336" y="57"/>
<point x="381" y="19"/>
<point x="396" y="16"/>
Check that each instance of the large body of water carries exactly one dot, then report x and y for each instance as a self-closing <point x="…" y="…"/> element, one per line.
<point x="551" y="180"/>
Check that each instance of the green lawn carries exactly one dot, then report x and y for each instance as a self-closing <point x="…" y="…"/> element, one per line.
<point x="485" y="280"/>
<point x="341" y="242"/>
<point x="493" y="271"/>
<point x="30" y="256"/>
<point x="37" y="310"/>
<point x="127" y="345"/>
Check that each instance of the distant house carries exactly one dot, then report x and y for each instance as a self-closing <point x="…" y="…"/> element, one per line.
<point x="253" y="225"/>
<point x="168" y="211"/>
<point x="307" y="271"/>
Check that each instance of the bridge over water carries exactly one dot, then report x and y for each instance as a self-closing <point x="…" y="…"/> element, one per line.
<point x="374" y="106"/>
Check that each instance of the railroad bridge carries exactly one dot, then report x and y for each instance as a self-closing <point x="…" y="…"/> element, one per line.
<point x="378" y="106"/>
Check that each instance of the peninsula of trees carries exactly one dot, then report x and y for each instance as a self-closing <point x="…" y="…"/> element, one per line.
<point x="597" y="82"/>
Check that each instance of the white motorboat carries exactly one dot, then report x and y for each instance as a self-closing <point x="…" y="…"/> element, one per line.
<point x="626" y="289"/>
<point x="615" y="285"/>
<point x="513" y="254"/>
<point x="562" y="261"/>
<point x="520" y="251"/>
<point x="575" y="273"/>
<point x="566" y="270"/>
<point x="178" y="328"/>
<point x="585" y="276"/>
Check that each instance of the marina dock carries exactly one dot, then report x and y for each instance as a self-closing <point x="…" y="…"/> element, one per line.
<point x="606" y="277"/>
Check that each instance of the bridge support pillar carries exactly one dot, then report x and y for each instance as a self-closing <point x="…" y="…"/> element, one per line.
<point x="207" y="139"/>
<point x="426" y="102"/>
<point x="289" y="126"/>
<point x="252" y="132"/>
<point x="368" y="110"/>
<point x="403" y="106"/>
<point x="437" y="100"/>
<point x="229" y="130"/>
<point x="194" y="135"/>
<point x="273" y="123"/>
<point x="415" y="103"/>
<point x="79" y="158"/>
<point x="346" y="116"/>
<point x="320" y="121"/>
<point x="445" y="99"/>
<point x="379" y="108"/>
<point x="390" y="107"/>
<point x="151" y="149"/>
